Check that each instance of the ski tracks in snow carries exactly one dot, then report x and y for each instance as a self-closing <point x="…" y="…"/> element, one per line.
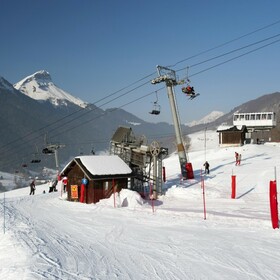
<point x="53" y="253"/>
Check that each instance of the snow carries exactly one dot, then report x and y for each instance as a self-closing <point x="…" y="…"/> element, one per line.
<point x="214" y="115"/>
<point x="104" y="165"/>
<point x="47" y="237"/>
<point x="39" y="86"/>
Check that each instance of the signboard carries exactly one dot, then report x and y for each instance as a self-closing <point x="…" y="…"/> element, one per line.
<point x="74" y="192"/>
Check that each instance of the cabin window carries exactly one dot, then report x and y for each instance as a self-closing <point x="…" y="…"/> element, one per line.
<point x="247" y="117"/>
<point x="258" y="116"/>
<point x="269" y="116"/>
<point x="263" y="116"/>
<point x="252" y="117"/>
<point x="106" y="185"/>
<point x="241" y="117"/>
<point x="236" y="117"/>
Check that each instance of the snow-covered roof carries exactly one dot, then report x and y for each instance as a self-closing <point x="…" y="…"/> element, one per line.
<point x="230" y="128"/>
<point x="104" y="165"/>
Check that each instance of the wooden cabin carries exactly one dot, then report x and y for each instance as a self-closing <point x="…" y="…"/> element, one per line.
<point x="92" y="178"/>
<point x="232" y="135"/>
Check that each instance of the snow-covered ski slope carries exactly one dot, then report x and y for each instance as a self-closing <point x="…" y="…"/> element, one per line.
<point x="47" y="237"/>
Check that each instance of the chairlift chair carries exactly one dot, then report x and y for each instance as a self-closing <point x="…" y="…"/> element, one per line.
<point x="35" y="158"/>
<point x="47" y="151"/>
<point x="156" y="109"/>
<point x="35" y="161"/>
<point x="189" y="91"/>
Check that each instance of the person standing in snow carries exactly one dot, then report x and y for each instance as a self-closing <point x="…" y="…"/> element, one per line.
<point x="206" y="165"/>
<point x="239" y="159"/>
<point x="64" y="182"/>
<point x="236" y="158"/>
<point x="32" y="188"/>
<point x="54" y="184"/>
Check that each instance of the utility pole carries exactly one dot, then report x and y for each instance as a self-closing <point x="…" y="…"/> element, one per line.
<point x="205" y="141"/>
<point x="155" y="150"/>
<point x="169" y="77"/>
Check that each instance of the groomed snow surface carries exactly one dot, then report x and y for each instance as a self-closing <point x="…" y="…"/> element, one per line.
<point x="47" y="237"/>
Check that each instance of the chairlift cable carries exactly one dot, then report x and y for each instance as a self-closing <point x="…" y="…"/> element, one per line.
<point x="226" y="43"/>
<point x="235" y="50"/>
<point x="180" y="70"/>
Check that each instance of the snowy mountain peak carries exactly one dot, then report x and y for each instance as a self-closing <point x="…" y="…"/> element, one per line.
<point x="207" y="119"/>
<point x="43" y="76"/>
<point x="40" y="86"/>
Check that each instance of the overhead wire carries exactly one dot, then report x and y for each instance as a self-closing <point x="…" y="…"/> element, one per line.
<point x="226" y="43"/>
<point x="203" y="71"/>
<point x="59" y="121"/>
<point x="183" y="60"/>
<point x="236" y="57"/>
<point x="232" y="51"/>
<point x="126" y="87"/>
<point x="62" y="131"/>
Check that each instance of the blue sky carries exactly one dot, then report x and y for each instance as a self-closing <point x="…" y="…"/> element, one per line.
<point x="95" y="48"/>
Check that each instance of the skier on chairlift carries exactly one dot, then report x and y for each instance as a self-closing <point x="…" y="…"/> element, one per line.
<point x="188" y="90"/>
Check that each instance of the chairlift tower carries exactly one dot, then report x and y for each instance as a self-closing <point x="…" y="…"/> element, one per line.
<point x="169" y="77"/>
<point x="53" y="149"/>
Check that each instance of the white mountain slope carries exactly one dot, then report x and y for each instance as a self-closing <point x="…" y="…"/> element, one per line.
<point x="207" y="119"/>
<point x="40" y="86"/>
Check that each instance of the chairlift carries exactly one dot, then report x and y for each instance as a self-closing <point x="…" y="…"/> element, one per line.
<point x="23" y="164"/>
<point x="188" y="89"/>
<point x="35" y="161"/>
<point x="35" y="158"/>
<point x="156" y="107"/>
<point x="47" y="151"/>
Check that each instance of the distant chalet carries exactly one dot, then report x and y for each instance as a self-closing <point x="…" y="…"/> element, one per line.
<point x="231" y="135"/>
<point x="252" y="127"/>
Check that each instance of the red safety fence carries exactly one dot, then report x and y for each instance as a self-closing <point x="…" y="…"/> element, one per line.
<point x="273" y="204"/>
<point x="233" y="186"/>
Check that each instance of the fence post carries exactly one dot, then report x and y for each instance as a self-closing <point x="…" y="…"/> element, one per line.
<point x="273" y="204"/>
<point x="151" y="196"/>
<point x="233" y="186"/>
<point x="4" y="221"/>
<point x="203" y="194"/>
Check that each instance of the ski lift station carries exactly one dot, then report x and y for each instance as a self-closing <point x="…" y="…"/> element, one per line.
<point x="258" y="125"/>
<point x="255" y="121"/>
